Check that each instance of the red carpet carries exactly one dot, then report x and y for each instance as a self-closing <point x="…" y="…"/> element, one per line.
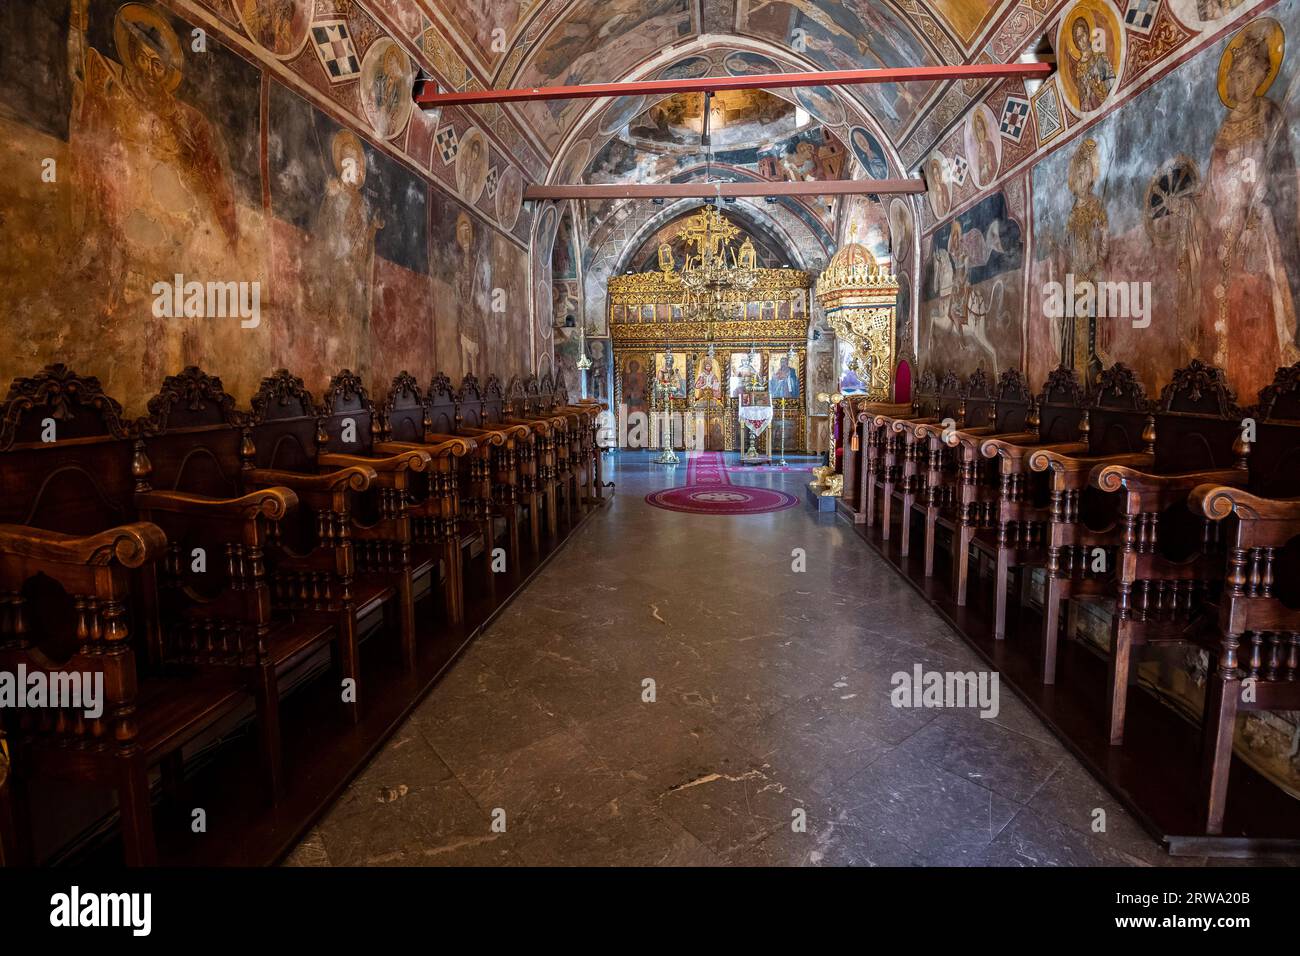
<point x="708" y="491"/>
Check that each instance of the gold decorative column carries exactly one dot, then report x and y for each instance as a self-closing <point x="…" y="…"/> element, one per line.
<point x="860" y="301"/>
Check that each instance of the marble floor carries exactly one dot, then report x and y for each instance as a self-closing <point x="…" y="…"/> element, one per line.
<point x="771" y="738"/>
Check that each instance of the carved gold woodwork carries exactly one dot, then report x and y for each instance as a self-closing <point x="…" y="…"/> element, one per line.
<point x="859" y="298"/>
<point x="667" y="288"/>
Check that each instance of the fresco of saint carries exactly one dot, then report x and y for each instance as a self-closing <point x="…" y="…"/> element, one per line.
<point x="1083" y="341"/>
<point x="341" y="258"/>
<point x="1252" y="264"/>
<point x="708" y="385"/>
<point x="1088" y="51"/>
<point x="153" y="193"/>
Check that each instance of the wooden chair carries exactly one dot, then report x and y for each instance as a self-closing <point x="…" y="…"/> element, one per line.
<point x="859" y="413"/>
<point x="382" y="534"/>
<point x="884" y="458"/>
<point x="525" y="492"/>
<point x="70" y="554"/>
<point x="912" y="454"/>
<point x="523" y="399"/>
<point x="499" y="445"/>
<point x="1257" y="626"/>
<point x="312" y="561"/>
<point x="544" y="397"/>
<point x="965" y="497"/>
<point x="434" y="502"/>
<point x="1115" y="426"/>
<point x="208" y="604"/>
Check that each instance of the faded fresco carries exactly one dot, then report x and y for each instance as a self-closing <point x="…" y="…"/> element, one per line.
<point x="1169" y="192"/>
<point x="160" y="211"/>
<point x="971" y="305"/>
<point x="1206" y="212"/>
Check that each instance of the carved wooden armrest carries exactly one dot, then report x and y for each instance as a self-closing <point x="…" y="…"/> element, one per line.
<point x="899" y="424"/>
<point x="1115" y="476"/>
<point x="273" y="503"/>
<point x="451" y="448"/>
<point x="131" y="545"/>
<point x="871" y="411"/>
<point x="1011" y="450"/>
<point x="970" y="437"/>
<point x="486" y="436"/>
<point x="535" y="426"/>
<point x="352" y="478"/>
<point x="408" y="459"/>
<point x="1066" y="458"/>
<point x="1216" y="502"/>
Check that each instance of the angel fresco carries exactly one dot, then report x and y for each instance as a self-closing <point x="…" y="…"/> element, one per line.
<point x="1251" y="265"/>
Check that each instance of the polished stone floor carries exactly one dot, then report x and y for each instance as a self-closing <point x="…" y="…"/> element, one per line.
<point x="771" y="738"/>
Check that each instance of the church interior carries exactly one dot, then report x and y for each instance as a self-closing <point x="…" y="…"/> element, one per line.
<point x="649" y="433"/>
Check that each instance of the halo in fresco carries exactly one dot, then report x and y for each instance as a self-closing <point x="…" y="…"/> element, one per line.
<point x="821" y="103"/>
<point x="983" y="145"/>
<point x="135" y="19"/>
<point x="937" y="182"/>
<point x="1090" y="45"/>
<point x="1195" y="12"/>
<point x="279" y="26"/>
<point x="744" y="63"/>
<point x="573" y="166"/>
<point x="688" y="69"/>
<point x="620" y="112"/>
<point x="869" y="153"/>
<point x="1262" y="34"/>
<point x="472" y="165"/>
<point x="387" y="77"/>
<point x="510" y="198"/>
<point x="900" y="230"/>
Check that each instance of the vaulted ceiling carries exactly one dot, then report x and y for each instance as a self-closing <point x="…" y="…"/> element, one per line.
<point x="506" y="43"/>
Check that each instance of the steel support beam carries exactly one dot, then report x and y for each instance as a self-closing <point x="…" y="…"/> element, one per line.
<point x="428" y="97"/>
<point x="833" y="187"/>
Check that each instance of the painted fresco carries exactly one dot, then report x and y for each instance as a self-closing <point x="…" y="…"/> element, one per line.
<point x="1206" y="212"/>
<point x="971" y="311"/>
<point x="580" y="46"/>
<point x="840" y="35"/>
<point x="139" y="160"/>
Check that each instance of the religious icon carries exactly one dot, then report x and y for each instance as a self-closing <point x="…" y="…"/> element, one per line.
<point x="1249" y="302"/>
<point x="1082" y="341"/>
<point x="784" y="375"/>
<point x="510" y="198"/>
<point x="472" y="165"/>
<point x="387" y="75"/>
<point x="983" y="146"/>
<point x="937" y="185"/>
<point x="708" y="384"/>
<point x="1093" y="42"/>
<point x="280" y="26"/>
<point x="634" y="382"/>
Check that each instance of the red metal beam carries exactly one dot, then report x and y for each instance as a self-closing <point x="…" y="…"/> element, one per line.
<point x="837" y="187"/>
<point x="427" y="96"/>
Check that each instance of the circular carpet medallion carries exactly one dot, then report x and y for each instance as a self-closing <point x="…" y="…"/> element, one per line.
<point x="725" y="500"/>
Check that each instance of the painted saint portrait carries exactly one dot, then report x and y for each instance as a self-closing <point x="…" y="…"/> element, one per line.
<point x="983" y="145"/>
<point x="1252" y="267"/>
<point x="387" y="76"/>
<point x="280" y="26"/>
<point x="937" y="185"/>
<point x="1091" y="42"/>
<point x="510" y="198"/>
<point x="783" y="375"/>
<point x="472" y="165"/>
<point x="869" y="153"/>
<point x="708" y="383"/>
<point x="634" y="384"/>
